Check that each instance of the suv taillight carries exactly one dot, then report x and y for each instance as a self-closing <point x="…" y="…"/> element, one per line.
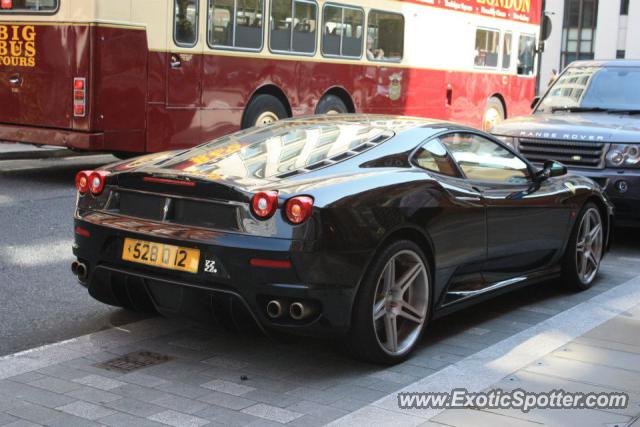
<point x="79" y="97"/>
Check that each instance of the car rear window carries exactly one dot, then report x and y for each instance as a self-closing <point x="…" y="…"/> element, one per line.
<point x="278" y="150"/>
<point x="28" y="6"/>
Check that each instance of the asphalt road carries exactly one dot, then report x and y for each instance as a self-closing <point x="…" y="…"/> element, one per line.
<point x="41" y="302"/>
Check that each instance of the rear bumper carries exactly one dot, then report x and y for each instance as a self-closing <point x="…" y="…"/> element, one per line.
<point x="113" y="281"/>
<point x="622" y="186"/>
<point x="85" y="141"/>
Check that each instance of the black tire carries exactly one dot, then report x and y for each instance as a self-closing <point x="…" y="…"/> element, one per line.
<point x="362" y="340"/>
<point x="331" y="104"/>
<point x="493" y="104"/>
<point x="263" y="106"/>
<point x="571" y="277"/>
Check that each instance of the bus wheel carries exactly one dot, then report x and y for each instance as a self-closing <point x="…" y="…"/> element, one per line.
<point x="125" y="155"/>
<point x="493" y="114"/>
<point x="331" y="104"/>
<point x="263" y="110"/>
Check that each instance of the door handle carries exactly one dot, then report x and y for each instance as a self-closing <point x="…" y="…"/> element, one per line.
<point x="175" y="62"/>
<point x="15" y="80"/>
<point x="469" y="198"/>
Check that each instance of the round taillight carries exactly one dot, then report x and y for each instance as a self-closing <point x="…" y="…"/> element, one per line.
<point x="82" y="181"/>
<point x="264" y="204"/>
<point x="97" y="181"/>
<point x="299" y="209"/>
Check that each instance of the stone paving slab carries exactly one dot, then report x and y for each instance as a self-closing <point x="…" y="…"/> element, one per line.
<point x="222" y="379"/>
<point x="575" y="367"/>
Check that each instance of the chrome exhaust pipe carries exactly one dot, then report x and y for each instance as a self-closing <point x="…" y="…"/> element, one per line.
<point x="275" y="309"/>
<point x="74" y="267"/>
<point x="82" y="271"/>
<point x="301" y="311"/>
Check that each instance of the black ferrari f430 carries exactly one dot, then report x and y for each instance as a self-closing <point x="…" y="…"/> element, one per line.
<point x="364" y="227"/>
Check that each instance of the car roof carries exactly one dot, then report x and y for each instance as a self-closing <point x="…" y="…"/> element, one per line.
<point x="606" y="63"/>
<point x="395" y="123"/>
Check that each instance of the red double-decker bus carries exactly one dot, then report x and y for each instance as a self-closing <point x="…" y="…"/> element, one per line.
<point x="133" y="76"/>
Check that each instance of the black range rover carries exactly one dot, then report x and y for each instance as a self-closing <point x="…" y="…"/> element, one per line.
<point x="589" y="119"/>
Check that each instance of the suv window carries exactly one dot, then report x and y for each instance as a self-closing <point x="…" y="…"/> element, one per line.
<point x="609" y="88"/>
<point x="433" y="156"/>
<point x="29" y="6"/>
<point x="484" y="160"/>
<point x="185" y="22"/>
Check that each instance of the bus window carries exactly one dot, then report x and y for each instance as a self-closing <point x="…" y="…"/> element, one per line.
<point x="332" y="30"/>
<point x="304" y="27"/>
<point x="185" y="21"/>
<point x="486" y="48"/>
<point x="526" y="54"/>
<point x="342" y="31"/>
<point x="506" y="51"/>
<point x="385" y="36"/>
<point x="243" y="33"/>
<point x="29" y="6"/>
<point x="293" y="26"/>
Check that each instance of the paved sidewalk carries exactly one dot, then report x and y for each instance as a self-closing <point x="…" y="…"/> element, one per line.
<point x="604" y="360"/>
<point x="209" y="378"/>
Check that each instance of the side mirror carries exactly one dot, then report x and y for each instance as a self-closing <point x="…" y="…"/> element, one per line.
<point x="535" y="102"/>
<point x="551" y="169"/>
<point x="546" y="28"/>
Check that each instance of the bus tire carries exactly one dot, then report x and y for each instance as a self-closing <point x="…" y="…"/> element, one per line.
<point x="125" y="155"/>
<point x="263" y="110"/>
<point x="493" y="114"/>
<point x="331" y="104"/>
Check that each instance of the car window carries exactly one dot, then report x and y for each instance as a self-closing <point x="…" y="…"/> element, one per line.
<point x="484" y="160"/>
<point x="432" y="156"/>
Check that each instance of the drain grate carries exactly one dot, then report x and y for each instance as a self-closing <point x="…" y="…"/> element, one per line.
<point x="134" y="361"/>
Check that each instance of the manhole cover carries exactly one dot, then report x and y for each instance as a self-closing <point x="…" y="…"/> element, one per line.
<point x="133" y="361"/>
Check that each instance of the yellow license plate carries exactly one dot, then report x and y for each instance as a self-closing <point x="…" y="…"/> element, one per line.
<point x="161" y="255"/>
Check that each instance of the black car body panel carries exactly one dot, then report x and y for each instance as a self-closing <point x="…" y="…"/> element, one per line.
<point x="582" y="140"/>
<point x="480" y="238"/>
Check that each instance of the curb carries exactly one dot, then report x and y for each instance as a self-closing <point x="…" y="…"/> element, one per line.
<point x="42" y="154"/>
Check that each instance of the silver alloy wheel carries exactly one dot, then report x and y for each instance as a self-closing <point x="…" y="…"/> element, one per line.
<point x="266" y="118"/>
<point x="589" y="245"/>
<point x="401" y="302"/>
<point x="332" y="112"/>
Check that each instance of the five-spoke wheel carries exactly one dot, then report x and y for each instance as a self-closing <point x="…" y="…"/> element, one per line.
<point x="589" y="245"/>
<point x="585" y="249"/>
<point x="392" y="307"/>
